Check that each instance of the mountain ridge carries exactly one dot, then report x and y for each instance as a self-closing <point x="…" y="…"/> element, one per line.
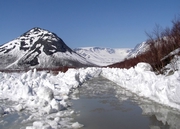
<point x="39" y="48"/>
<point x="103" y="56"/>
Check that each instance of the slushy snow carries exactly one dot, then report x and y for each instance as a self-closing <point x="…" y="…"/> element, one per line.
<point x="44" y="95"/>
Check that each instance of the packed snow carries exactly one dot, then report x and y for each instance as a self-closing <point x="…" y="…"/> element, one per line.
<point x="44" y="95"/>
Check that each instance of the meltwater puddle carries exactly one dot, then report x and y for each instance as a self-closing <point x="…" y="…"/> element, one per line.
<point x="11" y="119"/>
<point x="101" y="104"/>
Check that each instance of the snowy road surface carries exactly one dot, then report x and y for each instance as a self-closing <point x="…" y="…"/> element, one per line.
<point x="45" y="95"/>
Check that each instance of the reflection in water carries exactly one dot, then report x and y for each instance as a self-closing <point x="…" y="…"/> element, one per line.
<point x="103" y="104"/>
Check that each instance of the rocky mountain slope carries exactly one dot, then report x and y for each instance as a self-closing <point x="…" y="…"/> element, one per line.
<point x="39" y="48"/>
<point x="138" y="49"/>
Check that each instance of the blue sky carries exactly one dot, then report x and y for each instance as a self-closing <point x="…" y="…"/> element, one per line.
<point x="85" y="23"/>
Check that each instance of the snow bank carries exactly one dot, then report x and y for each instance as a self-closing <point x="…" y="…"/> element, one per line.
<point x="141" y="81"/>
<point x="1" y="111"/>
<point x="43" y="94"/>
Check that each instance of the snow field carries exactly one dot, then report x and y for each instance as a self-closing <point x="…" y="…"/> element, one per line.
<point x="45" y="95"/>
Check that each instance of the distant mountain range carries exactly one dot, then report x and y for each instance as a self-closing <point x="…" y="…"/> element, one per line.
<point x="108" y="56"/>
<point x="103" y="56"/>
<point x="40" y="48"/>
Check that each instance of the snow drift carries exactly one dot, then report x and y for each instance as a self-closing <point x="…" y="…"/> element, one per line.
<point x="145" y="83"/>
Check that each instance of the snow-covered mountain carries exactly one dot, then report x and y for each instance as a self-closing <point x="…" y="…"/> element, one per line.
<point x="107" y="56"/>
<point x="103" y="56"/>
<point x="139" y="49"/>
<point x="41" y="49"/>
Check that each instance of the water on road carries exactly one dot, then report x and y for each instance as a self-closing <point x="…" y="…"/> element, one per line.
<point x="101" y="104"/>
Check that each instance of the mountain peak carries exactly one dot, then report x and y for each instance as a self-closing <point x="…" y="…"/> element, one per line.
<point x="36" y="31"/>
<point x="40" y="48"/>
<point x="38" y="38"/>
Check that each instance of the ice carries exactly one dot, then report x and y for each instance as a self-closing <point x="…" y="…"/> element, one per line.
<point x="40" y="124"/>
<point x="1" y="111"/>
<point x="76" y="125"/>
<point x="45" y="95"/>
<point x="143" y="67"/>
<point x="19" y="107"/>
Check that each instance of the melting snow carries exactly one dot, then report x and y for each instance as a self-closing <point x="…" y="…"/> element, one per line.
<point x="45" y="95"/>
